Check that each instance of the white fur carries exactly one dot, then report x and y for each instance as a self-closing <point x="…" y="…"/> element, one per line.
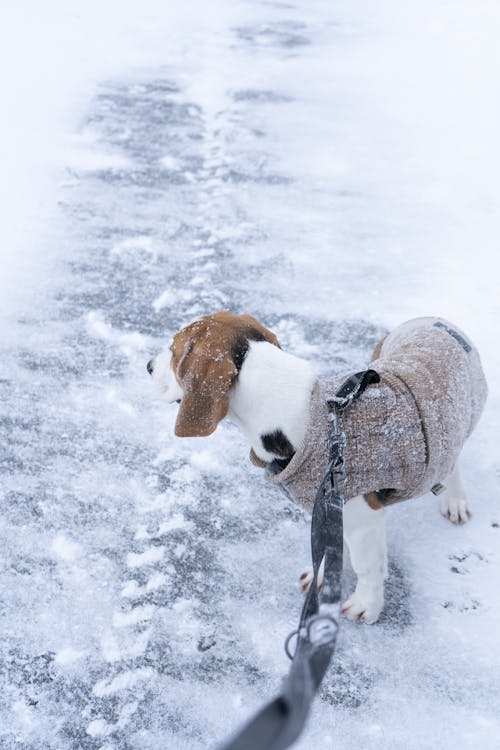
<point x="164" y="377"/>
<point x="454" y="505"/>
<point x="272" y="392"/>
<point x="365" y="536"/>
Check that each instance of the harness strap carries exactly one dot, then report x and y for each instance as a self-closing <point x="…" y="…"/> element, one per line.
<point x="353" y="387"/>
<point x="279" y="723"/>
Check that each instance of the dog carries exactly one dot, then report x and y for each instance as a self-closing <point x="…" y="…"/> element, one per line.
<point x="403" y="435"/>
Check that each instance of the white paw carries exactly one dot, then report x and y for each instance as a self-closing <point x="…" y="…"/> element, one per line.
<point x="306" y="577"/>
<point x="305" y="580"/>
<point x="455" y="508"/>
<point x="366" y="607"/>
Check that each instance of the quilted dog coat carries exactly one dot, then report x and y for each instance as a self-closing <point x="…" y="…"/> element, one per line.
<point x="403" y="434"/>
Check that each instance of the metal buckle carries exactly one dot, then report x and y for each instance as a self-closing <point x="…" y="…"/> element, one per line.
<point x="341" y="401"/>
<point x="321" y="629"/>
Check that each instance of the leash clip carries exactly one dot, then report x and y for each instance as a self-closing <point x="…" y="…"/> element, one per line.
<point x="319" y="630"/>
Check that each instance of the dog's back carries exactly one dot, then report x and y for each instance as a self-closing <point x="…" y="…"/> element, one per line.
<point x="442" y="369"/>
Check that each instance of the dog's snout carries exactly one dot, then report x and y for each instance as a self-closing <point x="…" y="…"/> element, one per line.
<point x="150" y="366"/>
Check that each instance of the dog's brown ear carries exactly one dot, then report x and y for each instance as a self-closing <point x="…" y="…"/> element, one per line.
<point x="254" y="324"/>
<point x="204" y="362"/>
<point x="206" y="373"/>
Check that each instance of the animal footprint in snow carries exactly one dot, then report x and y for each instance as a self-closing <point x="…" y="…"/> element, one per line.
<point x="469" y="605"/>
<point x="463" y="562"/>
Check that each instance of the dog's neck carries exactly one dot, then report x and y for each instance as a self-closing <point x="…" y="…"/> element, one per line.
<point x="270" y="400"/>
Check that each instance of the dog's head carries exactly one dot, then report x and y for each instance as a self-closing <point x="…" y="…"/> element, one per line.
<point x="203" y="364"/>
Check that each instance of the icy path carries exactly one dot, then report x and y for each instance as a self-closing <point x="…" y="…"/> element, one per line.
<point x="148" y="583"/>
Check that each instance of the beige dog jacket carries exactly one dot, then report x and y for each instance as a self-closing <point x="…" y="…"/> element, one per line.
<point x="405" y="433"/>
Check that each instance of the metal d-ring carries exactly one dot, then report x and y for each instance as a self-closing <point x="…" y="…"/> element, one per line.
<point x="287" y="644"/>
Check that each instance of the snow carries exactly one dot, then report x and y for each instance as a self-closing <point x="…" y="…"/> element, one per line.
<point x="124" y="681"/>
<point x="65" y="548"/>
<point x="145" y="558"/>
<point x="332" y="169"/>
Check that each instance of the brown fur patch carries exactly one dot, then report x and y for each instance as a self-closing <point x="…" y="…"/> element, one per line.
<point x="373" y="501"/>
<point x="203" y="363"/>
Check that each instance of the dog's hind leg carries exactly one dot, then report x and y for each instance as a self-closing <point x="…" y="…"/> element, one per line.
<point x="365" y="535"/>
<point x="453" y="501"/>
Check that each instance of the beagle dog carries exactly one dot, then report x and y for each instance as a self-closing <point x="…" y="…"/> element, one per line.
<point x="228" y="365"/>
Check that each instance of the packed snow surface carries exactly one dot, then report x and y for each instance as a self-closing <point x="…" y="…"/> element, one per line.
<point x="332" y="169"/>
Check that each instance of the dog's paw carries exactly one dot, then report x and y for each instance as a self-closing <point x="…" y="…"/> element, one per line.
<point x="305" y="580"/>
<point x="455" y="508"/>
<point x="365" y="607"/>
<point x="306" y="577"/>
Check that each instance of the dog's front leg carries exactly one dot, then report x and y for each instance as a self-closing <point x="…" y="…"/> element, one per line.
<point x="365" y="536"/>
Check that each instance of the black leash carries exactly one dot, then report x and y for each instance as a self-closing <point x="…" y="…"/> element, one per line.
<point x="279" y="723"/>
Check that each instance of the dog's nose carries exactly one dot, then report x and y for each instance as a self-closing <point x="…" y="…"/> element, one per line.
<point x="149" y="367"/>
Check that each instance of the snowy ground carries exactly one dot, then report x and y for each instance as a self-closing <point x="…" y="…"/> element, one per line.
<point x="333" y="173"/>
